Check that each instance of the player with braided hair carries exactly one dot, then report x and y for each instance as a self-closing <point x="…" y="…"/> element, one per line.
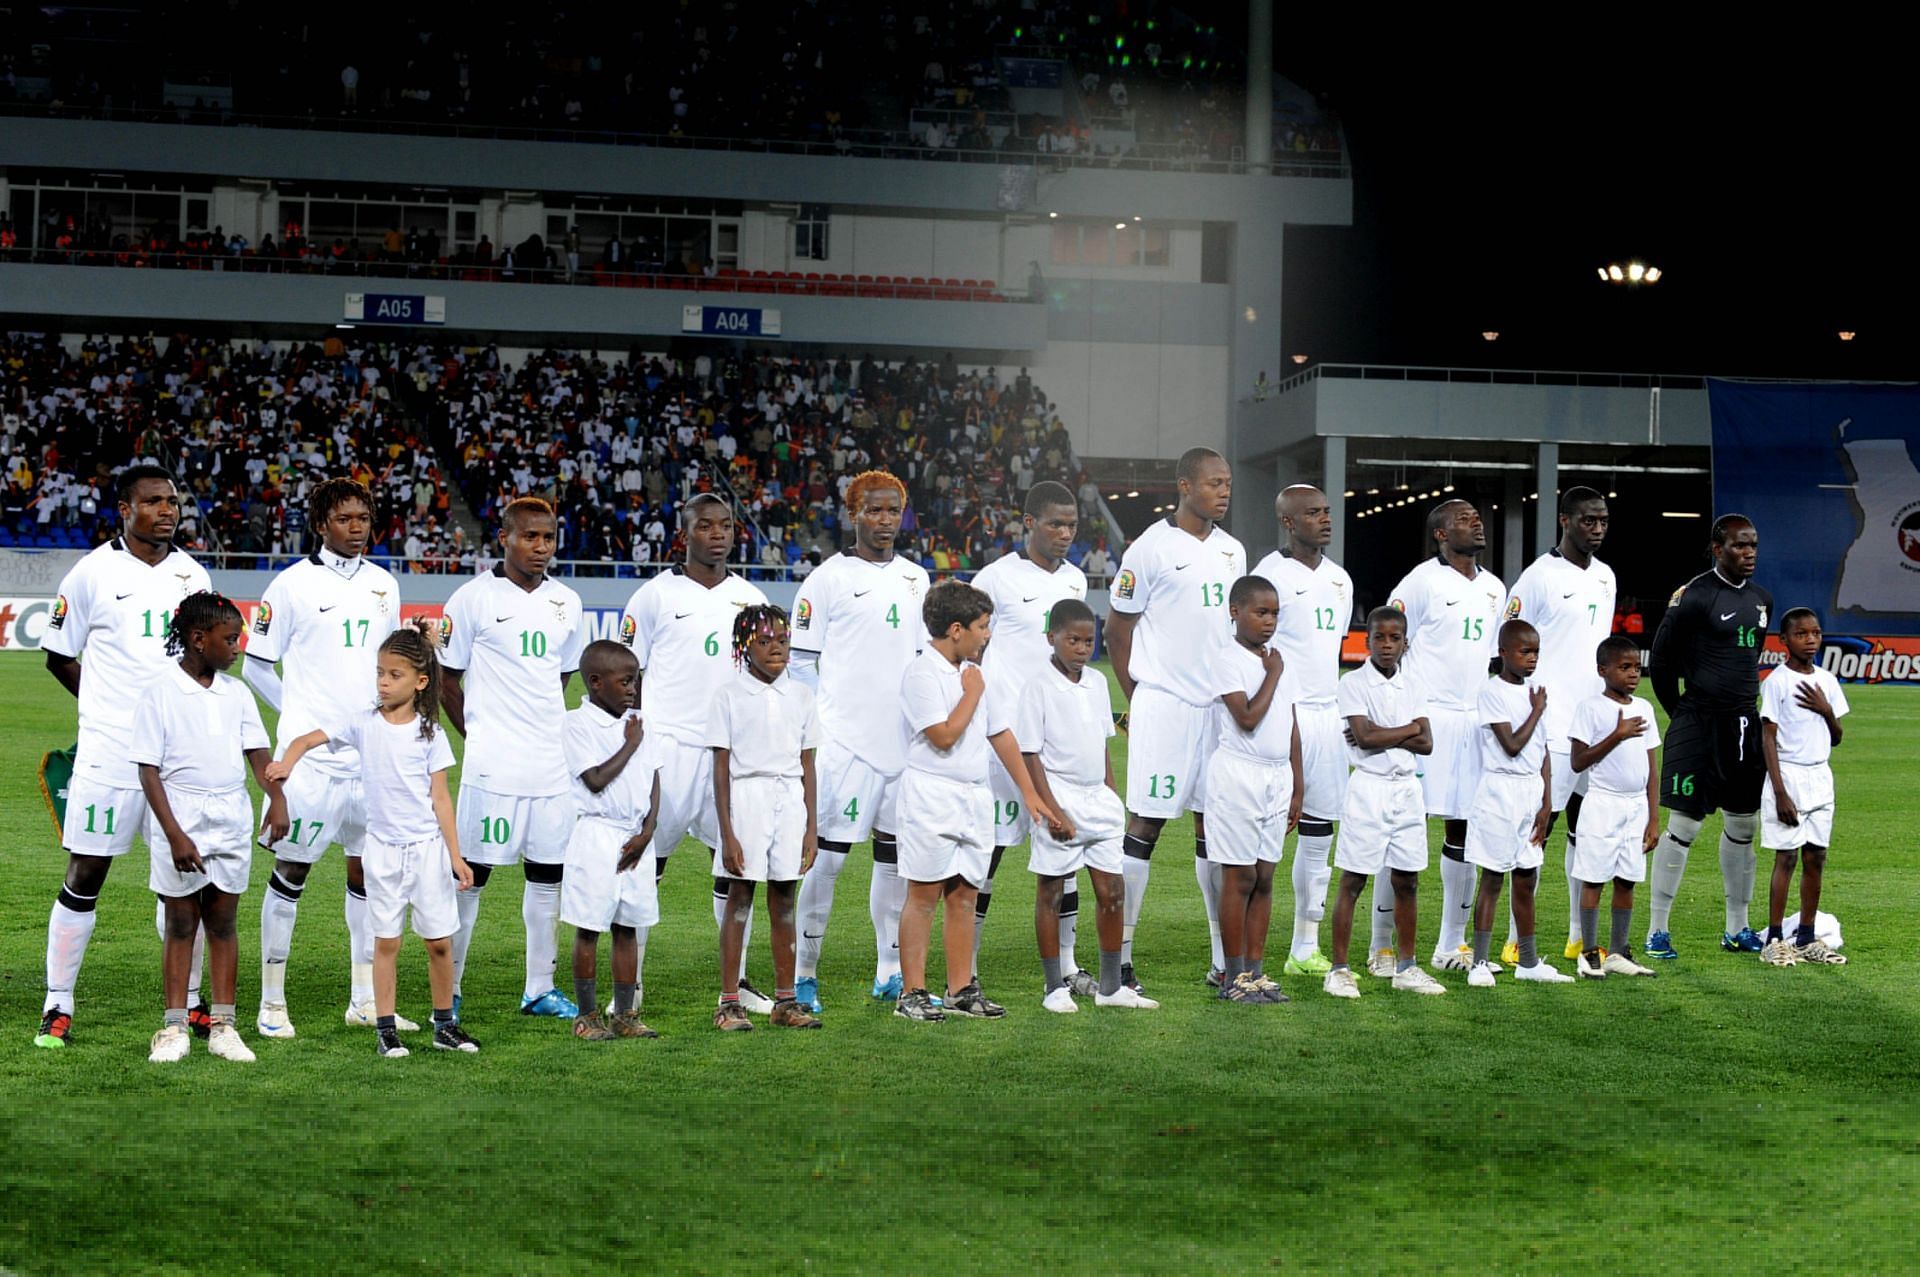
<point x="321" y="621"/>
<point x="195" y="782"/>
<point x="763" y="730"/>
<point x="856" y="628"/>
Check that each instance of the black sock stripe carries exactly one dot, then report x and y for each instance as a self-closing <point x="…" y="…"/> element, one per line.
<point x="885" y="850"/>
<point x="1314" y="827"/>
<point x="285" y="890"/>
<point x="1199" y="848"/>
<point x="1449" y="851"/>
<point x="543" y="873"/>
<point x="980" y="903"/>
<point x="720" y="888"/>
<point x="75" y="903"/>
<point x="837" y="848"/>
<point x="1137" y="847"/>
<point x="1069" y="903"/>
<point x="352" y="890"/>
<point x="1738" y="842"/>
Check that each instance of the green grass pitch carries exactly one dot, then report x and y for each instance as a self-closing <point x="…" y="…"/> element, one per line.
<point x="1723" y="1112"/>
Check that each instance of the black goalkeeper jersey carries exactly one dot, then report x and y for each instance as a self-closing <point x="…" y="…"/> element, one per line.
<point x="1711" y="636"/>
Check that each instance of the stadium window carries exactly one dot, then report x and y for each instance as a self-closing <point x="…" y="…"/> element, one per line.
<point x="1096" y="244"/>
<point x="810" y="233"/>
<point x="466" y="223"/>
<point x="1153" y="246"/>
<point x="1066" y="244"/>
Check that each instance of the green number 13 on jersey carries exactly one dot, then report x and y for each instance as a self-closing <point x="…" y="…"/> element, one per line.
<point x="1212" y="594"/>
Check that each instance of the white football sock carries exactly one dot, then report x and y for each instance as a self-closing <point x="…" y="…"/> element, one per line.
<point x="981" y="901"/>
<point x="1312" y="874"/>
<point x="814" y="907"/>
<point x="68" y="931"/>
<point x="1573" y="896"/>
<point x="746" y="941"/>
<point x="540" y="911"/>
<point x="1737" y="868"/>
<point x="359" y="934"/>
<point x="467" y="902"/>
<point x="639" y="965"/>
<point x="1069" y="927"/>
<point x="1456" y="904"/>
<point x="279" y="907"/>
<point x="1207" y="874"/>
<point x="1136" y="872"/>
<point x="199" y="963"/>
<point x="1381" y="934"/>
<point x="886" y="898"/>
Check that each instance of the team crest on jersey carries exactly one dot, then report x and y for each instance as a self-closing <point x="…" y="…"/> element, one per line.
<point x="263" y="619"/>
<point x="803" y="615"/>
<point x="1513" y="607"/>
<point x="380" y="600"/>
<point x="446" y="629"/>
<point x="1763" y="616"/>
<point x="1398" y="606"/>
<point x="559" y="611"/>
<point x="627" y="629"/>
<point x="59" y="613"/>
<point x="1675" y="600"/>
<point x="1123" y="584"/>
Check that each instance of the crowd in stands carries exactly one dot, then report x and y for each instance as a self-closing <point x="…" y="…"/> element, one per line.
<point x="835" y="75"/>
<point x="250" y="426"/>
<point x="618" y="447"/>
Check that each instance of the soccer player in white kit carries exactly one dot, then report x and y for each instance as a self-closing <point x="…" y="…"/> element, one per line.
<point x="856" y="628"/>
<point x="510" y="640"/>
<point x="680" y="626"/>
<point x="1567" y="594"/>
<point x="113" y="608"/>
<point x="1166" y="615"/>
<point x="324" y="618"/>
<point x="1024" y="588"/>
<point x="1453" y="610"/>
<point x="1316" y="604"/>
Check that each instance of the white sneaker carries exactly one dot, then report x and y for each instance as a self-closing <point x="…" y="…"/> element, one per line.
<point x="1481" y="976"/>
<point x="1541" y="973"/>
<point x="1621" y="964"/>
<point x="1060" y="1001"/>
<point x="361" y="1015"/>
<point x="224" y="1041"/>
<point x="1125" y="997"/>
<point x="273" y="1022"/>
<point x="1589" y="970"/>
<point x="1414" y="980"/>
<point x="754" y="1001"/>
<point x="1340" y="983"/>
<point x="170" y="1045"/>
<point x="1460" y="959"/>
<point x="1383" y="963"/>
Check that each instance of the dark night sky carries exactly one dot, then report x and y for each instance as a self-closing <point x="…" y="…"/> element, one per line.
<point x="1770" y="182"/>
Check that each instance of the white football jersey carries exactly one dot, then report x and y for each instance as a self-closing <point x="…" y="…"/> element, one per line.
<point x="1316" y="605"/>
<point x="1177" y="584"/>
<point x="1453" y="631"/>
<point x="1573" y="610"/>
<point x="682" y="632"/>
<point x="1023" y="595"/>
<point x="324" y="619"/>
<point x="112" y="614"/>
<point x="863" y="620"/>
<point x="517" y="647"/>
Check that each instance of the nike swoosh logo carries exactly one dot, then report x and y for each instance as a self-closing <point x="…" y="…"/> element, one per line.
<point x="329" y="607"/>
<point x="120" y="598"/>
<point x="1453" y="602"/>
<point x="861" y="594"/>
<point x="812" y="935"/>
<point x="1388" y="909"/>
<point x="499" y="620"/>
<point x="1726" y="616"/>
<point x="1299" y="591"/>
<point x="1028" y="598"/>
<point x="1567" y="595"/>
<point x="1182" y="567"/>
<point x="681" y="616"/>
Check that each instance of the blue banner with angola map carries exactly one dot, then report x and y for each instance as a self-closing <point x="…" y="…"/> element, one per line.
<point x="1829" y="475"/>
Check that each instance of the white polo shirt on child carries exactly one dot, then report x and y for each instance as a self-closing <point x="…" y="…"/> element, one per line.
<point x="1250" y="779"/>
<point x="1512" y="790"/>
<point x="405" y="858"/>
<point x="764" y="727"/>
<point x="1613" y="819"/>
<point x="946" y="804"/>
<point x="1067" y="725"/>
<point x="197" y="737"/>
<point x="1804" y="745"/>
<point x="1384" y="823"/>
<point x="593" y="894"/>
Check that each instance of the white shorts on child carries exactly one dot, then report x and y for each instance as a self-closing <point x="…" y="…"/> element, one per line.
<point x="1611" y="843"/>
<point x="1500" y="826"/>
<point x="1247" y="802"/>
<point x="1168" y="744"/>
<point x="770" y="820"/>
<point x="325" y="809"/>
<point x="594" y="895"/>
<point x="1011" y="824"/>
<point x="1811" y="788"/>
<point x="504" y="829"/>
<point x="418" y="875"/>
<point x="1382" y="827"/>
<point x="854" y="799"/>
<point x="1450" y="775"/>
<point x="686" y="797"/>
<point x="1099" y="823"/>
<point x="946" y="829"/>
<point x="221" y="826"/>
<point x="1323" y="759"/>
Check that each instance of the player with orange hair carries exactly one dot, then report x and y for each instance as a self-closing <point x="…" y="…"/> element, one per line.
<point x="856" y="628"/>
